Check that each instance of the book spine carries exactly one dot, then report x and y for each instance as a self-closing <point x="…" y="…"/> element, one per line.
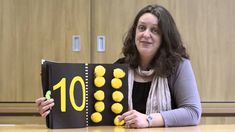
<point x="86" y="83"/>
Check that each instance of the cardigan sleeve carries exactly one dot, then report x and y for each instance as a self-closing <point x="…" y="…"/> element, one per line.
<point x="186" y="97"/>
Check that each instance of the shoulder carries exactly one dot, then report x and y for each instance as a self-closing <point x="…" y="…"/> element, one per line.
<point x="185" y="63"/>
<point x="120" y="61"/>
<point x="184" y="70"/>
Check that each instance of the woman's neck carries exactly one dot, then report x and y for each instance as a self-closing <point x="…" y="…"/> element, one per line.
<point x="144" y="63"/>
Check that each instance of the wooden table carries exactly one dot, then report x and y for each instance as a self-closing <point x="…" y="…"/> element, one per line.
<point x="42" y="128"/>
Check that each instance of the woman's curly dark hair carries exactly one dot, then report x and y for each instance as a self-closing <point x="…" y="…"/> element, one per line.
<point x="171" y="50"/>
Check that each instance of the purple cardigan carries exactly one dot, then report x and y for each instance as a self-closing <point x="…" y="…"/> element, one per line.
<point x="186" y="106"/>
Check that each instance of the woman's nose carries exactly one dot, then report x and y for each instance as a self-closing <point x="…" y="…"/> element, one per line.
<point x="147" y="33"/>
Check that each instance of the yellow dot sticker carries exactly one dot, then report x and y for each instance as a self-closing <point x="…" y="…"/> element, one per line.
<point x="96" y="117"/>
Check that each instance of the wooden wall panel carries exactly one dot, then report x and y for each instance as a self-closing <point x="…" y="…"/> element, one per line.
<point x="35" y="29"/>
<point x="206" y="28"/>
<point x="112" y="18"/>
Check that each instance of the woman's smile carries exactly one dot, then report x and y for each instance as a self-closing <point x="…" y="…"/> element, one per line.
<point x="146" y="42"/>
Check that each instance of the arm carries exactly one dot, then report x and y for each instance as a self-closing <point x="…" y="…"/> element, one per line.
<point x="186" y="97"/>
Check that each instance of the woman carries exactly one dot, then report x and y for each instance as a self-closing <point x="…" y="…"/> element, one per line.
<point x="162" y="86"/>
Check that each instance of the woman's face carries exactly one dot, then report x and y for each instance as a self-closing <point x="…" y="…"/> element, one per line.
<point x="148" y="35"/>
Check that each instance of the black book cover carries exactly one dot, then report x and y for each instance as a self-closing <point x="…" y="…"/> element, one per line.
<point x="72" y="87"/>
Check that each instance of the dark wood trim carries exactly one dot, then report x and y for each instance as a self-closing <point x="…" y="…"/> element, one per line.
<point x="218" y="108"/>
<point x="18" y="108"/>
<point x="29" y="108"/>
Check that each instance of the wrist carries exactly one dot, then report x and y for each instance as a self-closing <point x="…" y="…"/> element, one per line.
<point x="149" y="119"/>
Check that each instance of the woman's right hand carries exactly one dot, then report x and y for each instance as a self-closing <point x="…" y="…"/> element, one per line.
<point x="44" y="105"/>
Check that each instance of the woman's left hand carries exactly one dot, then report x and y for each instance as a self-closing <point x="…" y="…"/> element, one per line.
<point x="134" y="119"/>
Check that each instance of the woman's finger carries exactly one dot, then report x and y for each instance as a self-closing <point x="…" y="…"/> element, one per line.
<point x="44" y="108"/>
<point x="126" y="114"/>
<point x="47" y="102"/>
<point x="40" y="100"/>
<point x="45" y="114"/>
<point x="131" y="121"/>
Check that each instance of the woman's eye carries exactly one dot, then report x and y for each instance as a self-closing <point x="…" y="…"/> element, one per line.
<point x="141" y="28"/>
<point x="155" y="31"/>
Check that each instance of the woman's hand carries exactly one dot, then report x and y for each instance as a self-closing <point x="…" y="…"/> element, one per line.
<point x="44" y="106"/>
<point x="134" y="119"/>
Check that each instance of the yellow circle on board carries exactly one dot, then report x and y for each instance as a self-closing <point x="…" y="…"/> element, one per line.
<point x="99" y="71"/>
<point x="117" y="122"/>
<point x="96" y="117"/>
<point x="116" y="83"/>
<point x="99" y="95"/>
<point x="99" y="81"/>
<point x="117" y="96"/>
<point x="99" y="106"/>
<point x="117" y="108"/>
<point x="118" y="73"/>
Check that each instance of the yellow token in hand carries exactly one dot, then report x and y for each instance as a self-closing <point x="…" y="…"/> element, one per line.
<point x="117" y="108"/>
<point x="99" y="106"/>
<point x="99" y="81"/>
<point x="118" y="73"/>
<point x="117" y="96"/>
<point x="99" y="71"/>
<point x="117" y="122"/>
<point x="48" y="95"/>
<point x="96" y="117"/>
<point x="116" y="83"/>
<point x="99" y="95"/>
